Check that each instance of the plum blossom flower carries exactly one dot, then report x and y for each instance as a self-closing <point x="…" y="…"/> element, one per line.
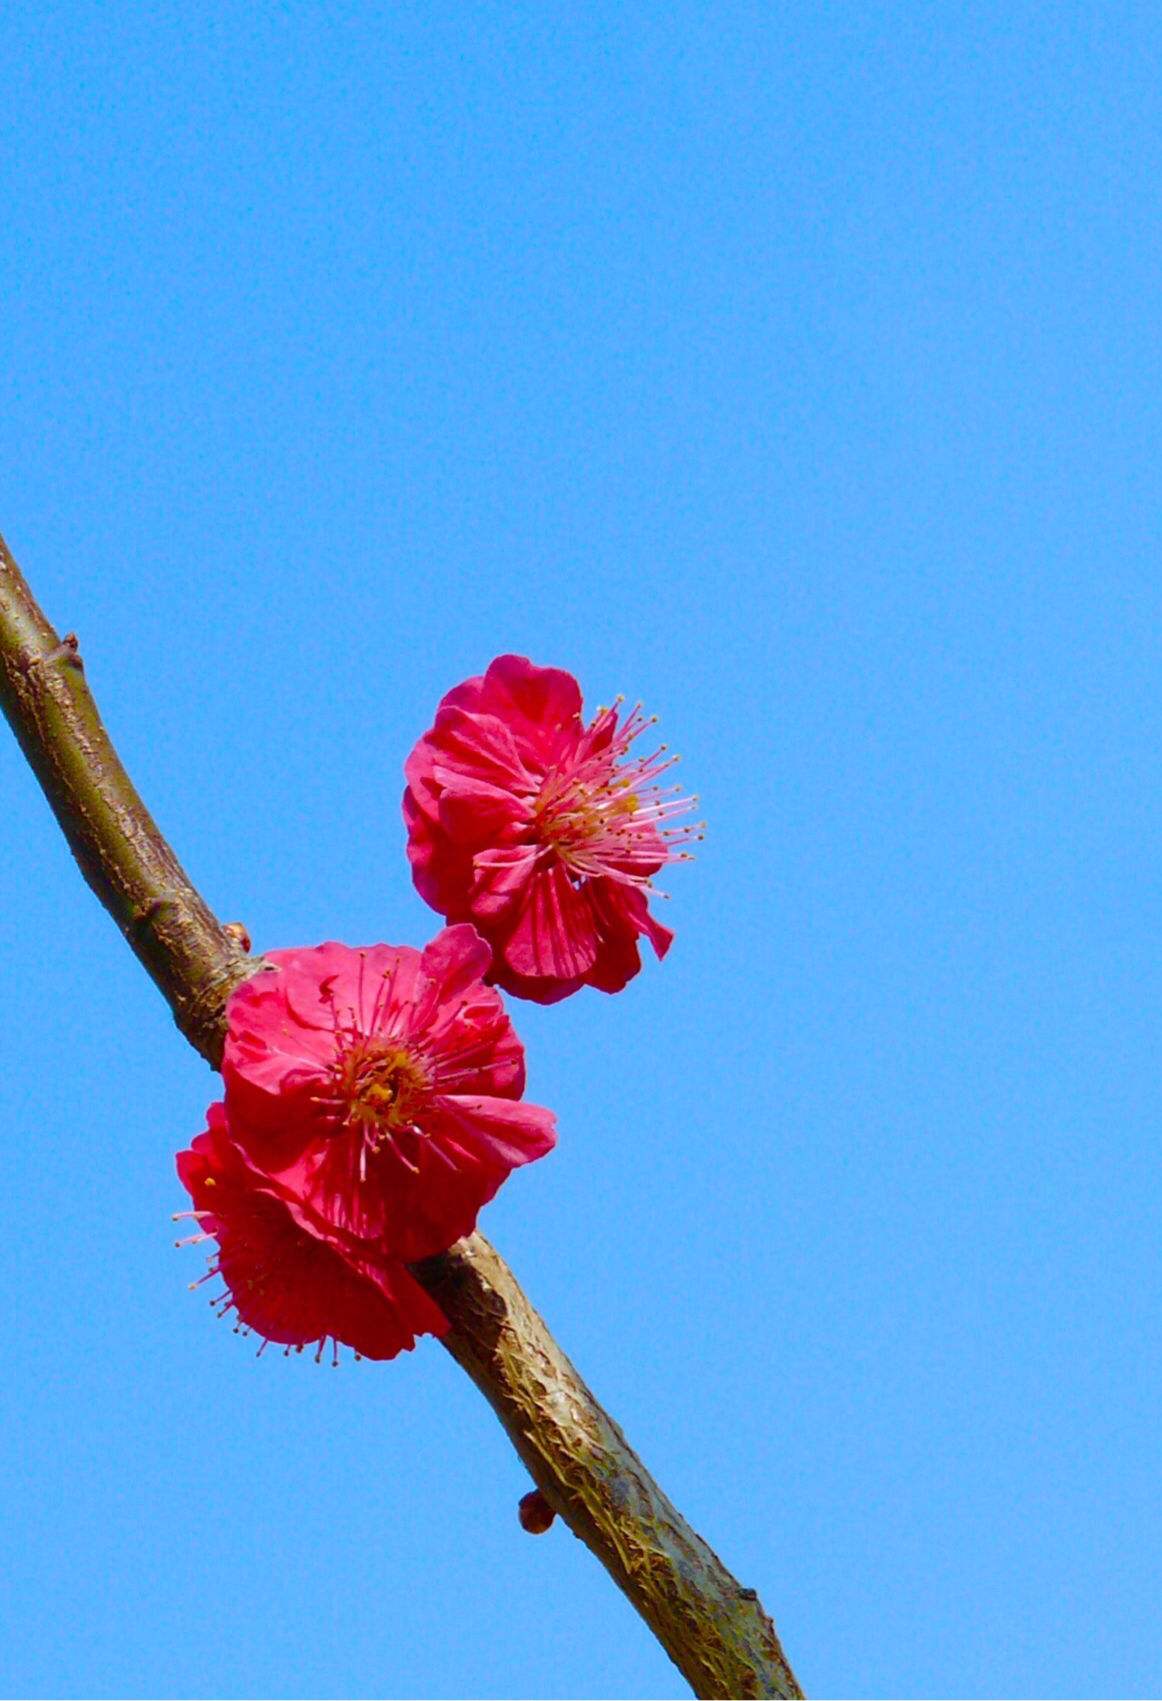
<point x="543" y="832"/>
<point x="289" y="1276"/>
<point x="382" y="1088"/>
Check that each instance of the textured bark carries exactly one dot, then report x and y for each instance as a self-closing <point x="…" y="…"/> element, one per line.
<point x="121" y="854"/>
<point x="714" y="1630"/>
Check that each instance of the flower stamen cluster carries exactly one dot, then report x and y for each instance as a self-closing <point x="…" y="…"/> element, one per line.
<point x="603" y="813"/>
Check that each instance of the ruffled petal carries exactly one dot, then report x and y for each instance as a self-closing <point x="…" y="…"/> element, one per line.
<point x="472" y="815"/>
<point x="478" y="748"/>
<point x="297" y="1290"/>
<point x="500" y="879"/>
<point x="622" y="914"/>
<point x="542" y="705"/>
<point x="287" y="1280"/>
<point x="454" y="960"/>
<point x="553" y="933"/>
<point x="479" y="1049"/>
<point x="442" y="870"/>
<point x="510" y="1132"/>
<point x="537" y="989"/>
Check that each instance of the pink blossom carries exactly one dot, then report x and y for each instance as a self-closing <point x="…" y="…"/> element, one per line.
<point x="543" y="832"/>
<point x="382" y="1088"/>
<point x="287" y="1275"/>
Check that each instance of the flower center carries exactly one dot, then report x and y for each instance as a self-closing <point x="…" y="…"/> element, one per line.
<point x="383" y="1087"/>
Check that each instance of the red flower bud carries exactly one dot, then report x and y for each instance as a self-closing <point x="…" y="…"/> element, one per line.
<point x="535" y="1513"/>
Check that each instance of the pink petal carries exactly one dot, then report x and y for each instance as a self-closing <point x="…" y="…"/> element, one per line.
<point x="547" y="698"/>
<point x="455" y="960"/>
<point x="500" y="878"/>
<point x="442" y="872"/>
<point x="477" y="814"/>
<point x="554" y="932"/>
<point x="622" y="913"/>
<point x="537" y="989"/>
<point x="506" y="1130"/>
<point x="476" y="747"/>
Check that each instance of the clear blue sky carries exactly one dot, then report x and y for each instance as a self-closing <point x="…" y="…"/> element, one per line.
<point x="796" y="368"/>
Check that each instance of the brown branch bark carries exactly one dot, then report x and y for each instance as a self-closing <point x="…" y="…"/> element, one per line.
<point x="714" y="1630"/>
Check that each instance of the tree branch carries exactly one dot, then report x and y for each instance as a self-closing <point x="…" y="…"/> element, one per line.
<point x="120" y="851"/>
<point x="714" y="1630"/>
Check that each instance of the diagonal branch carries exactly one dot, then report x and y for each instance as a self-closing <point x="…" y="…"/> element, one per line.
<point x="714" y="1630"/>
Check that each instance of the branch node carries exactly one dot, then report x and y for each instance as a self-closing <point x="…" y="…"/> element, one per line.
<point x="147" y="917"/>
<point x="68" y="651"/>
